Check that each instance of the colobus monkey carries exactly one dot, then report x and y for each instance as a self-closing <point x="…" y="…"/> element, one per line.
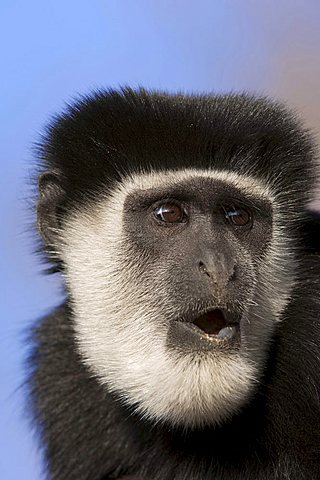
<point x="188" y="347"/>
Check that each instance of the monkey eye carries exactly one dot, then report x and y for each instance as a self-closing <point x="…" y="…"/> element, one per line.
<point x="170" y="213"/>
<point x="238" y="216"/>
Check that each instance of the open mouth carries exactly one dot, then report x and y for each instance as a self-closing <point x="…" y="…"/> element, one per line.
<point x="216" y="325"/>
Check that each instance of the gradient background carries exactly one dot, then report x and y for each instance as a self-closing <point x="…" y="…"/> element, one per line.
<point x="53" y="50"/>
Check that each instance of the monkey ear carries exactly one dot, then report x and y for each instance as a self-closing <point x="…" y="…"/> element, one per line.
<point x="311" y="232"/>
<point x="50" y="199"/>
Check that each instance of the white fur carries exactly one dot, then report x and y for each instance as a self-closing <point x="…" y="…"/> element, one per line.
<point x="120" y="331"/>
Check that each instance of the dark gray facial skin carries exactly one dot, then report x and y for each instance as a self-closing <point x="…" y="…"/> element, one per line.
<point x="205" y="261"/>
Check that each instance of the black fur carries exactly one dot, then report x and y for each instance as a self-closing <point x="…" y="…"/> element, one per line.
<point x="85" y="432"/>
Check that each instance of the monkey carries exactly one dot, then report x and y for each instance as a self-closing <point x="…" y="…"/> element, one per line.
<point x="188" y="345"/>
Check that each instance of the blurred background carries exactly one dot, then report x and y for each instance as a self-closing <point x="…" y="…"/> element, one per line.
<point x="53" y="50"/>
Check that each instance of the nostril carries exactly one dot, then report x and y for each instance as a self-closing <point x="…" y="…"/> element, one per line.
<point x="216" y="276"/>
<point x="203" y="269"/>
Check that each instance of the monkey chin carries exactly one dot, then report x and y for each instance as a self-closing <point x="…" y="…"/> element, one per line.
<point x="199" y="389"/>
<point x="201" y="378"/>
<point x="205" y="378"/>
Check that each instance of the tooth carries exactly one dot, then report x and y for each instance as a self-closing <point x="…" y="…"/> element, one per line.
<point x="226" y="333"/>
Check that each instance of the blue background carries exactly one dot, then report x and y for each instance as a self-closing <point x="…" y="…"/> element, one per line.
<point x="53" y="50"/>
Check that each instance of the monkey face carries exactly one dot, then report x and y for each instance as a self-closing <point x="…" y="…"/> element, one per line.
<point x="202" y="240"/>
<point x="176" y="291"/>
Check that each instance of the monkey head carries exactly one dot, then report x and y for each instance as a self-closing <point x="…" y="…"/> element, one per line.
<point x="173" y="220"/>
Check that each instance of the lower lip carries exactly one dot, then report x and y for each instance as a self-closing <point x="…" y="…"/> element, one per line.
<point x="227" y="335"/>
